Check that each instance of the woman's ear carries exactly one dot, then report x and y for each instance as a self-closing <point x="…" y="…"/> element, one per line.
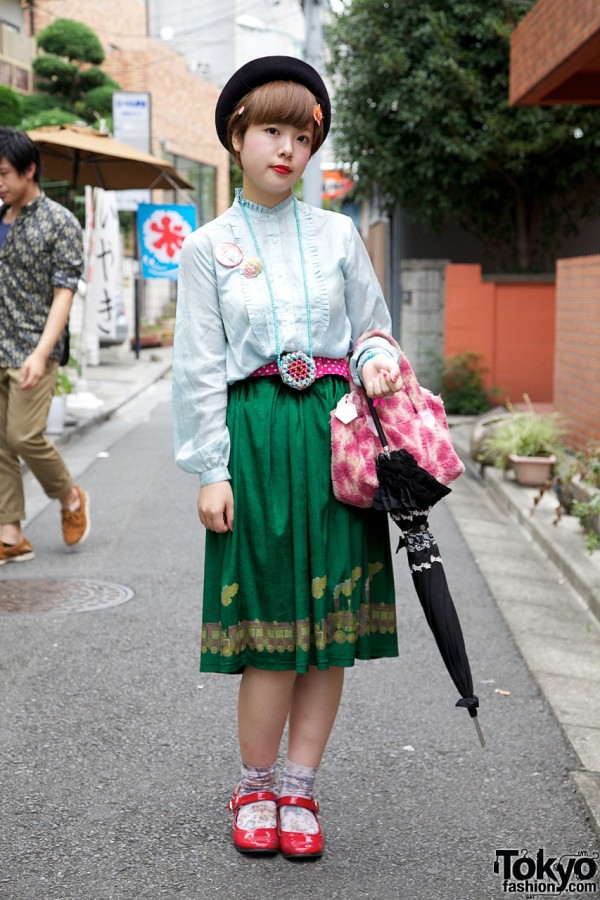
<point x="237" y="141"/>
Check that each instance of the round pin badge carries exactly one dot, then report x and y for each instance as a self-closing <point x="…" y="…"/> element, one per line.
<point x="252" y="267"/>
<point x="228" y="254"/>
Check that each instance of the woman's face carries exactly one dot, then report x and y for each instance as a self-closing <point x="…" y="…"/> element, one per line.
<point x="273" y="158"/>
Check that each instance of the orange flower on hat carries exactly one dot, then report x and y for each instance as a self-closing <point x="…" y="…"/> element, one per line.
<point x="317" y="113"/>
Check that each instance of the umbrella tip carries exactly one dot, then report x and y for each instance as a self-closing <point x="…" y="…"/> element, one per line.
<point x="479" y="731"/>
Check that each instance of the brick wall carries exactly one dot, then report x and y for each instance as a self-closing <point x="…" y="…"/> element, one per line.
<point x="182" y="104"/>
<point x="577" y="355"/>
<point x="548" y="37"/>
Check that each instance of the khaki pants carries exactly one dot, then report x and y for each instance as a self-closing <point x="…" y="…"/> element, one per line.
<point x="23" y="418"/>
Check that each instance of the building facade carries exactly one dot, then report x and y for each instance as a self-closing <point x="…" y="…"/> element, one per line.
<point x="217" y="38"/>
<point x="182" y="103"/>
<point x="17" y="47"/>
<point x="555" y="58"/>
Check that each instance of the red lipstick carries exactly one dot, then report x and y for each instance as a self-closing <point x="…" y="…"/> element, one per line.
<point x="283" y="170"/>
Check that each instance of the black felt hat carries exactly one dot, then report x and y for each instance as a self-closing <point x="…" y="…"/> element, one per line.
<point x="261" y="71"/>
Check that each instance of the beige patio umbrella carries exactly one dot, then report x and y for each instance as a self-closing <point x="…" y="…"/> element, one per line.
<point x="82" y="155"/>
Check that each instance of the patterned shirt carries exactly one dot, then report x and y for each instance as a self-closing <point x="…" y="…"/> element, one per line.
<point x="42" y="250"/>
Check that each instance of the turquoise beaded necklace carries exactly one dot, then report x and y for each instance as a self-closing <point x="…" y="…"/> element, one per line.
<point x="297" y="369"/>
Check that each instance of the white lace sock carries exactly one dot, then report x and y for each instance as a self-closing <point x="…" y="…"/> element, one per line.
<point x="298" y="781"/>
<point x="262" y="814"/>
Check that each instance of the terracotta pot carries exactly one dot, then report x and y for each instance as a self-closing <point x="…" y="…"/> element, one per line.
<point x="532" y="471"/>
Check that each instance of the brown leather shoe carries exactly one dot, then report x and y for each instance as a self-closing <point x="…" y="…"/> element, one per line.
<point x="76" y="523"/>
<point x="20" y="552"/>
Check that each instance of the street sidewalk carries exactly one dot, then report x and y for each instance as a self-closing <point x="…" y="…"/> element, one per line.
<point x="563" y="542"/>
<point x="550" y="599"/>
<point x="118" y="379"/>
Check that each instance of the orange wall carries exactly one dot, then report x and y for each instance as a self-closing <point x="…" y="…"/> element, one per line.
<point x="510" y="323"/>
<point x="577" y="365"/>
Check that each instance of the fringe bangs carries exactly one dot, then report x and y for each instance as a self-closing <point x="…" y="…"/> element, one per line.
<point x="286" y="102"/>
<point x="281" y="101"/>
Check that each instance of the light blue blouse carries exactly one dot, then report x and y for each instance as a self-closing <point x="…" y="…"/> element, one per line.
<point x="224" y="329"/>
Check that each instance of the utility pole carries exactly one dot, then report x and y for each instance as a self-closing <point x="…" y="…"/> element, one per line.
<point x="313" y="54"/>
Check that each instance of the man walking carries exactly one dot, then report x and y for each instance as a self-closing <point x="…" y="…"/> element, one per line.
<point x="41" y="260"/>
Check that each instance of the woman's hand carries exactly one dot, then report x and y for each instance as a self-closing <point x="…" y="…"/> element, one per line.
<point x="381" y="377"/>
<point x="215" y="506"/>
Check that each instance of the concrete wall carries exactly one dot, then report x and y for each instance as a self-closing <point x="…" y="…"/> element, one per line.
<point x="422" y="317"/>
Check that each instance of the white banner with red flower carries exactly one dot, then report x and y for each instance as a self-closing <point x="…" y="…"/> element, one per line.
<point x="162" y="228"/>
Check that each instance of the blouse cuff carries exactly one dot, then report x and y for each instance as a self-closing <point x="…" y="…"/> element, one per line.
<point x="211" y="476"/>
<point x="371" y="346"/>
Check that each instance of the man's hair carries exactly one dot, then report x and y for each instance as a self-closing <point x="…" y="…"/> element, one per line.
<point x="18" y="148"/>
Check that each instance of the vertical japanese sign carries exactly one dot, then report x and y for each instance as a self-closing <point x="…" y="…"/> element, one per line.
<point x="162" y="229"/>
<point x="104" y="270"/>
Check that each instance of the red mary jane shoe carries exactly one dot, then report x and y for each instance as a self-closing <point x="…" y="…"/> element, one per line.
<point x="293" y="844"/>
<point x="256" y="840"/>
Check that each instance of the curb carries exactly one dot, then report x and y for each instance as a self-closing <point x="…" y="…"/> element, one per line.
<point x="569" y="556"/>
<point x="562" y="543"/>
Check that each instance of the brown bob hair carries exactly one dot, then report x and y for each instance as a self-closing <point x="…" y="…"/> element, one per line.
<point x="283" y="102"/>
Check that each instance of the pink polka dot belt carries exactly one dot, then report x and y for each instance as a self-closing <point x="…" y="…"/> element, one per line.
<point x="324" y="366"/>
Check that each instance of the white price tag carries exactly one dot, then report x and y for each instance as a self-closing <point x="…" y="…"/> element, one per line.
<point x="427" y="418"/>
<point x="346" y="411"/>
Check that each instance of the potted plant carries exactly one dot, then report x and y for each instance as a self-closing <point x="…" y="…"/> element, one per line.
<point x="528" y="442"/>
<point x="151" y="335"/>
<point x="58" y="405"/>
<point x="167" y="321"/>
<point x="577" y="487"/>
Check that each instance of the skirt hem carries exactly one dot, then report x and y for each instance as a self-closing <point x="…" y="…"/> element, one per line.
<point x="390" y="653"/>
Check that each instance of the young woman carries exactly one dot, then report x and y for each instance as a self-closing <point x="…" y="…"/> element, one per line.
<point x="273" y="295"/>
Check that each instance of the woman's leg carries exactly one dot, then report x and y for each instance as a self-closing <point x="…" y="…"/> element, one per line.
<point x="314" y="708"/>
<point x="315" y="702"/>
<point x="263" y="706"/>
<point x="264" y="702"/>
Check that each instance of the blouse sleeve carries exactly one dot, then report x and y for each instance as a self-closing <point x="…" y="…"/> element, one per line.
<point x="365" y="304"/>
<point x="201" y="437"/>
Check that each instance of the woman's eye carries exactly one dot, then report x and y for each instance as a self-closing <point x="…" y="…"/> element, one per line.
<point x="272" y="130"/>
<point x="304" y="138"/>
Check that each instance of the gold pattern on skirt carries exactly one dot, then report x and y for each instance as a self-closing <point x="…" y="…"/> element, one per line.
<point x="340" y="626"/>
<point x="228" y="593"/>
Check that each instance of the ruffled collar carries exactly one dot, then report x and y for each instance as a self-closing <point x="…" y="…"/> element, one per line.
<point x="281" y="209"/>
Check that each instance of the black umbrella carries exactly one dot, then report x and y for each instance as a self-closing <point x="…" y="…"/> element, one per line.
<point x="408" y="492"/>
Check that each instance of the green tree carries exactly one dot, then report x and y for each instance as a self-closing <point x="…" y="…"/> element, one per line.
<point x="11" y="106"/>
<point x="68" y="75"/>
<point x="422" y="111"/>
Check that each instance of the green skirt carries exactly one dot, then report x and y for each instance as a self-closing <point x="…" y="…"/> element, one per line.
<point x="303" y="580"/>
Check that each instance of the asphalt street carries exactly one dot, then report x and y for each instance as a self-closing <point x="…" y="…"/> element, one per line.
<point x="117" y="757"/>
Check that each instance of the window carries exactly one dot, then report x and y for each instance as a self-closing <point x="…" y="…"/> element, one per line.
<point x="202" y="179"/>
